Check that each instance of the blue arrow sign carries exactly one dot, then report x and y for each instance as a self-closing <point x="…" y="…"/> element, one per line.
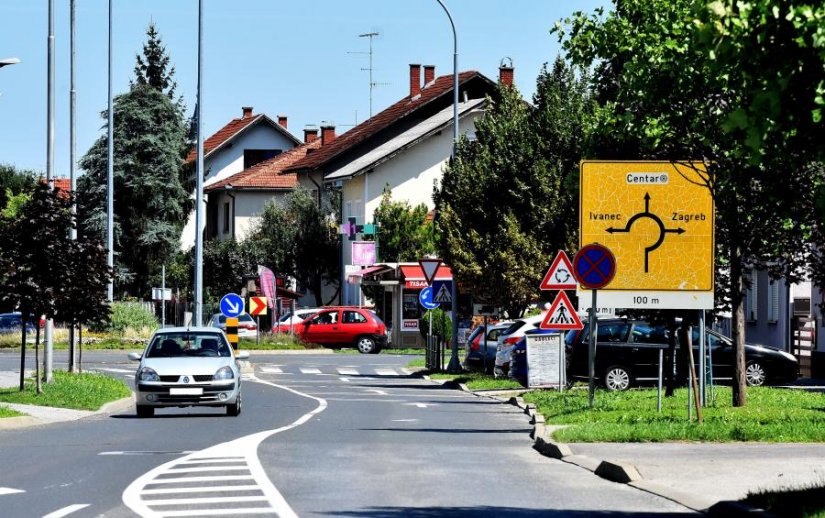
<point x="231" y="305"/>
<point x="425" y="298"/>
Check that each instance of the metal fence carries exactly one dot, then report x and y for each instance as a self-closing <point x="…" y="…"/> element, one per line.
<point x="434" y="358"/>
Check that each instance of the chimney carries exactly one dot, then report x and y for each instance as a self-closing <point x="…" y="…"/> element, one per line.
<point x="282" y="121"/>
<point x="415" y="80"/>
<point x="429" y="74"/>
<point x="327" y="134"/>
<point x="247" y="112"/>
<point x="505" y="72"/>
<point x="310" y="134"/>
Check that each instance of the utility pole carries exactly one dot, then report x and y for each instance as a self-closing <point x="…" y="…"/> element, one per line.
<point x="47" y="354"/>
<point x="72" y="148"/>
<point x="110" y="174"/>
<point x="198" y="313"/>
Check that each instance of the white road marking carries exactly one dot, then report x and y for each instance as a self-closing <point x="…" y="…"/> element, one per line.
<point x="344" y="379"/>
<point x="66" y="511"/>
<point x="406" y="371"/>
<point x="144" y="453"/>
<point x="244" y="447"/>
<point x="386" y="372"/>
<point x="310" y="371"/>
<point x="348" y="372"/>
<point x="420" y="405"/>
<point x="205" y="489"/>
<point x="207" y="469"/>
<point x="209" y="500"/>
<point x="272" y="370"/>
<point x="122" y="371"/>
<point x="378" y="392"/>
<point x="404" y="420"/>
<point x="10" y="491"/>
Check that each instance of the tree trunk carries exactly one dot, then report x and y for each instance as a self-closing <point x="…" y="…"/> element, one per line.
<point x="740" y="396"/>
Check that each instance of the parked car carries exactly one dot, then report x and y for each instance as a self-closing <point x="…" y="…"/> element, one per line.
<point x="627" y="354"/>
<point x="246" y="324"/>
<point x="342" y="326"/>
<point x="183" y="367"/>
<point x="510" y="337"/>
<point x="289" y="320"/>
<point x="13" y="322"/>
<point x="477" y="347"/>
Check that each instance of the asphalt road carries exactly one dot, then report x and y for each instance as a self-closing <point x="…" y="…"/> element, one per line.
<point x="339" y="435"/>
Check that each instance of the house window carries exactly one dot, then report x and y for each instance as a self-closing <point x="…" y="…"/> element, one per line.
<point x="773" y="301"/>
<point x="211" y="221"/>
<point x="226" y="218"/>
<point x="751" y="297"/>
<point x="358" y="211"/>
<point x="255" y="156"/>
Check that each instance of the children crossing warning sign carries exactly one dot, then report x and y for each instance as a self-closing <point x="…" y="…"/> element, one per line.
<point x="562" y="315"/>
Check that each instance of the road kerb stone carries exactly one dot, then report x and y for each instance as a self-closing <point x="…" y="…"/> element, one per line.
<point x="689" y="500"/>
<point x="622" y="472"/>
<point x="583" y="461"/>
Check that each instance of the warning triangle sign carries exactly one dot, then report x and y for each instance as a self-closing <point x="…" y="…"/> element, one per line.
<point x="561" y="316"/>
<point x="560" y="275"/>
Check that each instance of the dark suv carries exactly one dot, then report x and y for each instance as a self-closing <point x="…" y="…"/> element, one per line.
<point x="627" y="354"/>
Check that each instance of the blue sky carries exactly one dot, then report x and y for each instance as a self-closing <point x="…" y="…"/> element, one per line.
<point x="293" y="58"/>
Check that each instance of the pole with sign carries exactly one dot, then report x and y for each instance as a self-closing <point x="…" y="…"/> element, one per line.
<point x="594" y="266"/>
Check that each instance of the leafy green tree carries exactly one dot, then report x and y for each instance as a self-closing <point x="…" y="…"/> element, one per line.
<point x="15" y="185"/>
<point x="152" y="68"/>
<point x="504" y="206"/>
<point x="226" y="263"/>
<point x="45" y="273"/>
<point x="662" y="96"/>
<point x="149" y="200"/>
<point x="315" y="255"/>
<point x="274" y="234"/>
<point x="405" y="233"/>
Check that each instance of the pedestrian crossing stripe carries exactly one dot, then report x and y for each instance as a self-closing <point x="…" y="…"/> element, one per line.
<point x="561" y="315"/>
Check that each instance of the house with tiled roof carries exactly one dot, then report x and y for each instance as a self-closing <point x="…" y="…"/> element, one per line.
<point x="235" y="202"/>
<point x="403" y="148"/>
<point x="239" y="145"/>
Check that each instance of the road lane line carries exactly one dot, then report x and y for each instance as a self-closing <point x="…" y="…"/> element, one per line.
<point x="246" y="447"/>
<point x="206" y="469"/>
<point x="204" y="489"/>
<point x="348" y="372"/>
<point x="310" y="371"/>
<point x="386" y="372"/>
<point x="209" y="500"/>
<point x="10" y="491"/>
<point x="272" y="370"/>
<point x="66" y="511"/>
<point x="222" y="478"/>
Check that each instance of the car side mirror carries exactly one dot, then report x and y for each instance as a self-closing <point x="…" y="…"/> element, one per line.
<point x="241" y="355"/>
<point x="135" y="356"/>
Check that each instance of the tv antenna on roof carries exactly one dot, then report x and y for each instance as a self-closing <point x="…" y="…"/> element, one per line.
<point x="369" y="69"/>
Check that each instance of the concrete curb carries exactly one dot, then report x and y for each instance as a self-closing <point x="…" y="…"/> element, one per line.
<point x="621" y="472"/>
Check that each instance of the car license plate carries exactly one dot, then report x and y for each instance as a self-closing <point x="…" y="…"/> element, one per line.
<point x="193" y="391"/>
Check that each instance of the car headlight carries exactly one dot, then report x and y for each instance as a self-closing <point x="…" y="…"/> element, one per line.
<point x="147" y="374"/>
<point x="224" y="373"/>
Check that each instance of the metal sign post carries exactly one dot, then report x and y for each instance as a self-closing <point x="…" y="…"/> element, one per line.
<point x="595" y="267"/>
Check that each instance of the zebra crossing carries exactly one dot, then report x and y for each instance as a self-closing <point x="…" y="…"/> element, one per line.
<point x="330" y="370"/>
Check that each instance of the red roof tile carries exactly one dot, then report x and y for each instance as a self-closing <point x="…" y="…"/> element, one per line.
<point x="268" y="174"/>
<point x="234" y="127"/>
<point x="380" y="121"/>
<point x="64" y="184"/>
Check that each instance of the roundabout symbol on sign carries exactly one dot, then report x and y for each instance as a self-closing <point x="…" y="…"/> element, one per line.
<point x="594" y="266"/>
<point x="425" y="298"/>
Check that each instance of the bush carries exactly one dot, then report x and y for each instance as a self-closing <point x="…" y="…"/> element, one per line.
<point x="442" y="324"/>
<point x="131" y="315"/>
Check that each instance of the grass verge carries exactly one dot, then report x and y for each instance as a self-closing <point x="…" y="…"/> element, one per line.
<point x="479" y="381"/>
<point x="771" y="415"/>
<point x="8" y="412"/>
<point x="81" y="391"/>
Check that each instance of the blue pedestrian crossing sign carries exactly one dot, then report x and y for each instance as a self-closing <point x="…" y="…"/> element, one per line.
<point x="231" y="305"/>
<point x="443" y="292"/>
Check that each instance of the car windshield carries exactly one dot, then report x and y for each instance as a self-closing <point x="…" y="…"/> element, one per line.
<point x="513" y="328"/>
<point x="177" y="345"/>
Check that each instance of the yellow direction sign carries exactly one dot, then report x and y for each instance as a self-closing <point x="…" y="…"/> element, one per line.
<point x="257" y="306"/>
<point x="658" y="220"/>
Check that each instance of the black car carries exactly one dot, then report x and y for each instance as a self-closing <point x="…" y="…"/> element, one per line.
<point x="627" y="354"/>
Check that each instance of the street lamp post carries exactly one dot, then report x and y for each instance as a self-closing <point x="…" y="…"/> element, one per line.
<point x="8" y="61"/>
<point x="198" y="316"/>
<point x="454" y="365"/>
<point x="48" y="338"/>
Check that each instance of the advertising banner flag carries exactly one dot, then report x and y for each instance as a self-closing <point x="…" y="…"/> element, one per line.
<point x="267" y="280"/>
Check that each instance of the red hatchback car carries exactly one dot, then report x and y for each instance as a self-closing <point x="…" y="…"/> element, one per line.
<point x="341" y="326"/>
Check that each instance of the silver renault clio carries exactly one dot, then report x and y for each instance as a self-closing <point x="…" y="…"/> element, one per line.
<point x="188" y="366"/>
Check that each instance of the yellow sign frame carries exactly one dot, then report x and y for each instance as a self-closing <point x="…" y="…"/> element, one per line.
<point x="658" y="219"/>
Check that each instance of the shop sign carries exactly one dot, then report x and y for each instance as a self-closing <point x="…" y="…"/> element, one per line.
<point x="409" y="324"/>
<point x="415" y="285"/>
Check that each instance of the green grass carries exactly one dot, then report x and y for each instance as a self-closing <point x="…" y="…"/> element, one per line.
<point x="478" y="381"/>
<point x="82" y="391"/>
<point x="8" y="412"/>
<point x="771" y="415"/>
<point x="803" y="502"/>
<point x="417" y="363"/>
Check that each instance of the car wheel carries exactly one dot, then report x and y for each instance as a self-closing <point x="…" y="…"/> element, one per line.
<point x="617" y="378"/>
<point x="235" y="408"/>
<point x="145" y="411"/>
<point x="755" y="374"/>
<point x="366" y="345"/>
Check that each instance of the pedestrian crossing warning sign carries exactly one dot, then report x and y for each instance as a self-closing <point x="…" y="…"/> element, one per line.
<point x="561" y="316"/>
<point x="443" y="293"/>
